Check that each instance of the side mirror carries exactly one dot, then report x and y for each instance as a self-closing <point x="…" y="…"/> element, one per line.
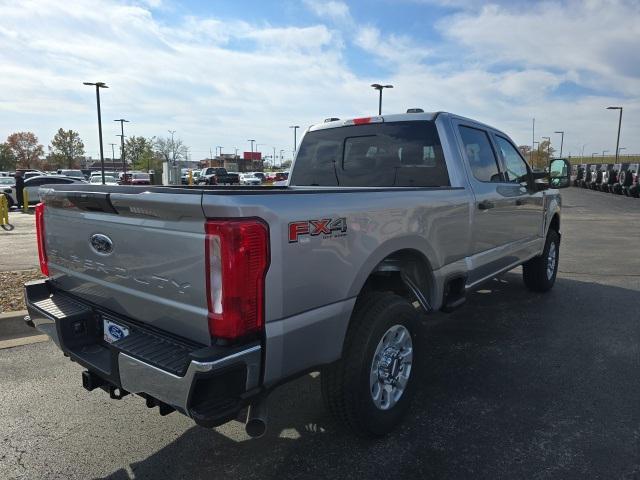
<point x="559" y="173"/>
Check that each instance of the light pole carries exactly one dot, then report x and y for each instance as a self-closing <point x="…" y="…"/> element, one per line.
<point x="621" y="148"/>
<point x="113" y="153"/>
<point x="220" y="147"/>
<point x="561" y="140"/>
<point x="619" y="125"/>
<point x="533" y="139"/>
<point x="593" y="154"/>
<point x="173" y="149"/>
<point x="252" y="142"/>
<point x="548" y="139"/>
<point x="98" y="86"/>
<point x="295" y="140"/>
<point x="122" y="154"/>
<point x="603" y="152"/>
<point x="377" y="86"/>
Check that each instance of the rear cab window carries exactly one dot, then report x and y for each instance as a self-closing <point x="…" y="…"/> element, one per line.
<point x="392" y="154"/>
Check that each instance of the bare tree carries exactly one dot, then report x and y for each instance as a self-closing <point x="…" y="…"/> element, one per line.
<point x="171" y="150"/>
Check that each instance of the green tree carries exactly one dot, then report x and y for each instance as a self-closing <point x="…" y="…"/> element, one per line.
<point x="7" y="158"/>
<point x="66" y="148"/>
<point x="26" y="149"/>
<point x="140" y="151"/>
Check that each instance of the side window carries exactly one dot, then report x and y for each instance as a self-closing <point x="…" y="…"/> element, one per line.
<point x="480" y="154"/>
<point x="515" y="166"/>
<point x="36" y="182"/>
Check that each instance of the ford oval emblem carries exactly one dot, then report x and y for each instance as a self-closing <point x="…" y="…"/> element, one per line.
<point x="116" y="332"/>
<point x="101" y="244"/>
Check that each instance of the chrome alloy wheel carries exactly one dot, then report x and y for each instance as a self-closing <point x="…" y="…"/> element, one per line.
<point x="552" y="258"/>
<point x="391" y="367"/>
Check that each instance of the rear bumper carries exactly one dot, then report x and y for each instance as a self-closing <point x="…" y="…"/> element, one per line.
<point x="209" y="384"/>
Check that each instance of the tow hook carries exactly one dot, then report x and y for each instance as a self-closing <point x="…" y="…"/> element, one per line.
<point x="116" y="393"/>
<point x="256" y="424"/>
<point x="91" y="381"/>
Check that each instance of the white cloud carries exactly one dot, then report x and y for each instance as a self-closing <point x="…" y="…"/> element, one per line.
<point x="332" y="9"/>
<point x="219" y="83"/>
<point x="597" y="41"/>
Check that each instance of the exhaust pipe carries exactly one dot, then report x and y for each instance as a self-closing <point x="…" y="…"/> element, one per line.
<point x="256" y="424"/>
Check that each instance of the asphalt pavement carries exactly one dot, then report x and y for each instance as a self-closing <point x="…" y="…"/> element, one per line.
<point x="514" y="385"/>
<point x="18" y="248"/>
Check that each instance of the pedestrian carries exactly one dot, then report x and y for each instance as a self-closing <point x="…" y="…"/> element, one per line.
<point x="19" y="189"/>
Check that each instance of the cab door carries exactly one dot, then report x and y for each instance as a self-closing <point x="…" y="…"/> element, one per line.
<point x="525" y="211"/>
<point x="491" y="231"/>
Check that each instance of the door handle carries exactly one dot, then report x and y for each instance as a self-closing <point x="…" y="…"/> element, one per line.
<point x="486" y="205"/>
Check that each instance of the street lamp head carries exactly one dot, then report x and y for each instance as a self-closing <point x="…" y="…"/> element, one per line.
<point x="614" y="108"/>
<point x="96" y="84"/>
<point x="377" y="86"/>
<point x="559" y="131"/>
<point x="121" y="120"/>
<point x="294" y="126"/>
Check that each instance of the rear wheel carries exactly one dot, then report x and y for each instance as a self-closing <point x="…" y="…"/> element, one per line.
<point x="540" y="272"/>
<point x="371" y="387"/>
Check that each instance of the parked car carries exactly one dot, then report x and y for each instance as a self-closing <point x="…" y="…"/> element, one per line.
<point x="618" y="187"/>
<point x="204" y="300"/>
<point x="106" y="172"/>
<point x="6" y="188"/>
<point x="71" y="173"/>
<point x="249" y="179"/>
<point x="140" y="178"/>
<point x="260" y="175"/>
<point x="597" y="177"/>
<point x="629" y="178"/>
<point x="579" y="175"/>
<point x="217" y="176"/>
<point x="108" y="180"/>
<point x="32" y="186"/>
<point x="184" y="176"/>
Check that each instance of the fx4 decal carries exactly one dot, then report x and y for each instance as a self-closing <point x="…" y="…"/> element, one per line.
<point x="327" y="227"/>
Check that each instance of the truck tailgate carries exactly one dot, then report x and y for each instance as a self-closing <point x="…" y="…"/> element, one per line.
<point x="138" y="254"/>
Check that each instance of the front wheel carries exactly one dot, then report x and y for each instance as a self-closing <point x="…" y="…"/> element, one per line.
<point x="540" y="272"/>
<point x="371" y="387"/>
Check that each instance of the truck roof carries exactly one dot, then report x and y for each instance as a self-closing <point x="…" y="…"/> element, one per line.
<point x="396" y="117"/>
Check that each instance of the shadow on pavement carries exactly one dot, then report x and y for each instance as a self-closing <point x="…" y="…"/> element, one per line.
<point x="513" y="385"/>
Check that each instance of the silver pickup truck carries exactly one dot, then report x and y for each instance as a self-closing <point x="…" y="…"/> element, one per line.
<point x="204" y="299"/>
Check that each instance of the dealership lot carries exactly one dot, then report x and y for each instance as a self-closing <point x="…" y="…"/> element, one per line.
<point x="515" y="386"/>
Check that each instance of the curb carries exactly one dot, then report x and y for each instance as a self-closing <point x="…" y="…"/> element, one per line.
<point x="14" y="332"/>
<point x="15" y="315"/>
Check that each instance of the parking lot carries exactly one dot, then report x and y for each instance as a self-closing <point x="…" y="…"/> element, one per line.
<point x="514" y="385"/>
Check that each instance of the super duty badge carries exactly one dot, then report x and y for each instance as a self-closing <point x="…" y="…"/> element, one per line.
<point x="327" y="227"/>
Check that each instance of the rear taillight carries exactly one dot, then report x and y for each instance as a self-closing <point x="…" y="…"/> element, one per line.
<point x="42" y="251"/>
<point x="237" y="258"/>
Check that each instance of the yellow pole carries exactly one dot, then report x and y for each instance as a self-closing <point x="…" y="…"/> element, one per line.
<point x="25" y="201"/>
<point x="190" y="177"/>
<point x="4" y="210"/>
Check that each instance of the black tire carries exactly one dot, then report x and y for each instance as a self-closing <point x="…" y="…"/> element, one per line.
<point x="535" y="271"/>
<point x="346" y="388"/>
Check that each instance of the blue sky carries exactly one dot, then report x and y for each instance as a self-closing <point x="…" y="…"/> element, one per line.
<point x="221" y="72"/>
